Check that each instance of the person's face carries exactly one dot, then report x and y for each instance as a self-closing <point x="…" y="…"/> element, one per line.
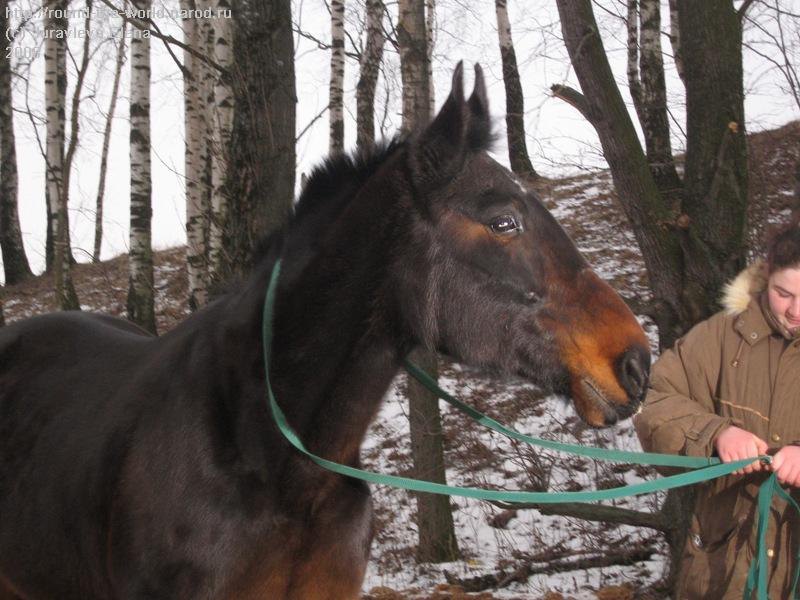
<point x="784" y="297"/>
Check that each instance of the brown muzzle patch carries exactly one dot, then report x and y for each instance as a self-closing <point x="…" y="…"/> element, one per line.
<point x="604" y="349"/>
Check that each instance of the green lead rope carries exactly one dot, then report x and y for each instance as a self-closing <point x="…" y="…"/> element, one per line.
<point x="704" y="469"/>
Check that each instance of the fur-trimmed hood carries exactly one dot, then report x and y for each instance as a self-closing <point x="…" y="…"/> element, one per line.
<point x="747" y="284"/>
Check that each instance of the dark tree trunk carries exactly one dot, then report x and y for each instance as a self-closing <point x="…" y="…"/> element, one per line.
<point x="437" y="539"/>
<point x="260" y="178"/>
<point x="15" y="262"/>
<point x="515" y="104"/>
<point x="715" y="179"/>
<point x="412" y="41"/>
<point x="369" y="65"/>
<point x="55" y="82"/>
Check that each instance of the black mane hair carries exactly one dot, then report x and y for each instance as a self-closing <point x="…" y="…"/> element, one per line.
<point x="330" y="186"/>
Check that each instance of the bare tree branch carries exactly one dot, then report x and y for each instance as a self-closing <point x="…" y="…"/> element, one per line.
<point x="596" y="512"/>
<point x="744" y="8"/>
<point x="143" y="25"/>
<point x="574" y="98"/>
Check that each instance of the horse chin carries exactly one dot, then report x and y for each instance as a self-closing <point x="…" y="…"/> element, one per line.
<point x="592" y="404"/>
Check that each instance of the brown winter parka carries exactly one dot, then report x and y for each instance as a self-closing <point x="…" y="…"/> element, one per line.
<point x="732" y="369"/>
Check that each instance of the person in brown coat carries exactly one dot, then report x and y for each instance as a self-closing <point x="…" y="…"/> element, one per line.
<point x="731" y="388"/>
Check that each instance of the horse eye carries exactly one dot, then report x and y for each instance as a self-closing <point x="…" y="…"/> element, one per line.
<point x="505" y="225"/>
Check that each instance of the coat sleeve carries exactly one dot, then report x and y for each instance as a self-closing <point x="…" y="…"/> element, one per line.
<point x="678" y="416"/>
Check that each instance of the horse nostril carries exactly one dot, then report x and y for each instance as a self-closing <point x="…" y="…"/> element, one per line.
<point x="634" y="371"/>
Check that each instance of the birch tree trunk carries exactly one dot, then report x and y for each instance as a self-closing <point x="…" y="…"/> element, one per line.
<point x="55" y="84"/>
<point x="140" y="304"/>
<point x="369" y="66"/>
<point x="437" y="539"/>
<point x="222" y="113"/>
<point x="214" y="217"/>
<point x="430" y="42"/>
<point x="515" y="103"/>
<point x="197" y="197"/>
<point x="15" y="262"/>
<point x="112" y="107"/>
<point x="261" y="168"/>
<point x="336" y="93"/>
<point x="649" y="92"/>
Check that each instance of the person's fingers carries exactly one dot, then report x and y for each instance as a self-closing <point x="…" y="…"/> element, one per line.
<point x="792" y="474"/>
<point x="761" y="445"/>
<point x="783" y="473"/>
<point x="753" y="467"/>
<point x="796" y="479"/>
<point x="777" y="461"/>
<point x="786" y="472"/>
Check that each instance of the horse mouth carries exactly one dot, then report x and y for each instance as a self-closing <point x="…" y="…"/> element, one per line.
<point x="597" y="400"/>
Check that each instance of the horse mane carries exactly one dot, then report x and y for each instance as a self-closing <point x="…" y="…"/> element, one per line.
<point x="344" y="172"/>
<point x="326" y="193"/>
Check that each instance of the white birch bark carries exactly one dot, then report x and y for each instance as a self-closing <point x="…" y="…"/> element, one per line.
<point x="197" y="199"/>
<point x="515" y="102"/>
<point x="675" y="39"/>
<point x="112" y="108"/>
<point x="140" y="262"/>
<point x="336" y="93"/>
<point x="648" y="88"/>
<point x="632" y="24"/>
<point x="222" y="123"/>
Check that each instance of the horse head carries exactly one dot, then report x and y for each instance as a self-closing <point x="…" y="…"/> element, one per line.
<point x="490" y="278"/>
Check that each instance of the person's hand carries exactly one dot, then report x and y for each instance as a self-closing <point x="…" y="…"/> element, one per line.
<point x="737" y="444"/>
<point x="786" y="465"/>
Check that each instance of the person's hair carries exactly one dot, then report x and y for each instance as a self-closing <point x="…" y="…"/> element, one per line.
<point x="783" y="249"/>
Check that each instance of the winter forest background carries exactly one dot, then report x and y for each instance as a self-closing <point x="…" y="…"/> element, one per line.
<point x="173" y="134"/>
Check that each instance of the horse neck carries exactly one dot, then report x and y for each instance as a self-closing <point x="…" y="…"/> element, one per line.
<point x="336" y="344"/>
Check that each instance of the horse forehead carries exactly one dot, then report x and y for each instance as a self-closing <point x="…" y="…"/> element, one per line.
<point x="485" y="173"/>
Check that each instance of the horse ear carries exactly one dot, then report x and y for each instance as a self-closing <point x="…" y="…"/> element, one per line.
<point x="480" y="125"/>
<point x="438" y="152"/>
<point x="460" y="127"/>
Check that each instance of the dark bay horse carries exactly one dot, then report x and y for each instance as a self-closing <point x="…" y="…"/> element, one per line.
<point x="134" y="467"/>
